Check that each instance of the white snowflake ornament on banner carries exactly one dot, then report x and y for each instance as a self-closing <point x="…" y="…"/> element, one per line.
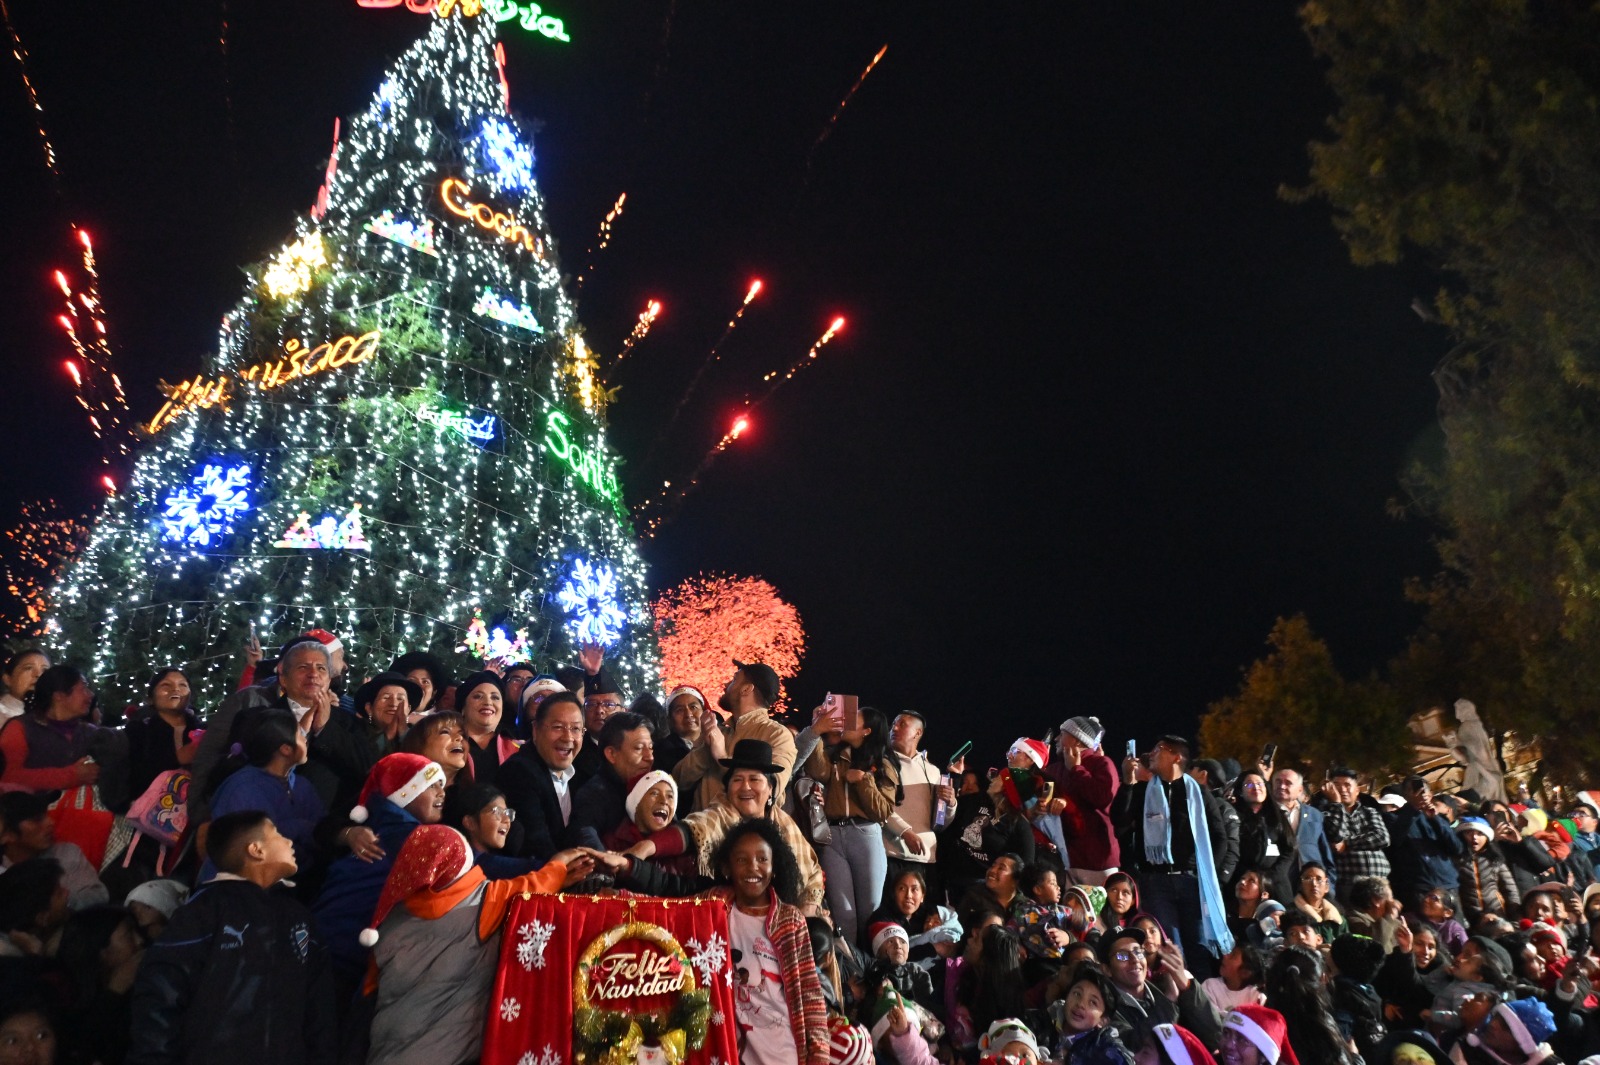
<point x="510" y="1010"/>
<point x="532" y="940"/>
<point x="549" y="1057"/>
<point x="710" y="960"/>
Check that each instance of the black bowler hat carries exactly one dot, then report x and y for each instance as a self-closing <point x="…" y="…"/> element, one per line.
<point x="369" y="691"/>
<point x="752" y="754"/>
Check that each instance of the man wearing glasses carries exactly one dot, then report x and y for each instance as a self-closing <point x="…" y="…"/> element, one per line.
<point x="600" y="700"/>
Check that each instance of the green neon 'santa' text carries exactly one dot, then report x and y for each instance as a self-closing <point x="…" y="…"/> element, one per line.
<point x="587" y="464"/>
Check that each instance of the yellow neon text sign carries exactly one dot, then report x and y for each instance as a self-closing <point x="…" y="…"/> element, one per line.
<point x="298" y="361"/>
<point x="453" y="192"/>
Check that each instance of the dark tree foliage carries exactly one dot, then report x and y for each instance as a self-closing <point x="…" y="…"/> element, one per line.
<point x="1467" y="132"/>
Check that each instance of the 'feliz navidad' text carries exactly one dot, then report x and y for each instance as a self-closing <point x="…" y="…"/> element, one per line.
<point x="626" y="974"/>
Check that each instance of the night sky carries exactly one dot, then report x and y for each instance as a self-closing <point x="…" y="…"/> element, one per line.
<point x="1105" y="405"/>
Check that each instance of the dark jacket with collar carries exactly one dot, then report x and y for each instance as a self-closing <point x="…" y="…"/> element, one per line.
<point x="539" y="830"/>
<point x="598" y="808"/>
<point x="1422" y="853"/>
<point x="239" y="976"/>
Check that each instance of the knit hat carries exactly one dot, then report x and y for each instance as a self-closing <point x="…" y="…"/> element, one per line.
<point x="1086" y="730"/>
<point x="1539" y="930"/>
<point x="327" y="639"/>
<point x="1092" y="896"/>
<point x="399" y="778"/>
<point x="641" y="785"/>
<point x="1529" y="1020"/>
<point x="1475" y="824"/>
<point x="1536" y="821"/>
<point x="848" y="1044"/>
<point x="163" y="896"/>
<point x="1005" y="1031"/>
<point x="1183" y="1046"/>
<point x="883" y="1004"/>
<point x="883" y="931"/>
<point x="1266" y="1031"/>
<point x="1036" y="752"/>
<point x="432" y="858"/>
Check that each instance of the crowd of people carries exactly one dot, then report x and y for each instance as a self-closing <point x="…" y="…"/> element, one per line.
<point x="319" y="872"/>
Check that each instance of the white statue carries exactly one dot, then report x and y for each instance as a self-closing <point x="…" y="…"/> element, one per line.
<point x="1482" y="773"/>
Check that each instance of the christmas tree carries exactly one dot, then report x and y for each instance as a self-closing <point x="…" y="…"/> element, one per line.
<point x="402" y="427"/>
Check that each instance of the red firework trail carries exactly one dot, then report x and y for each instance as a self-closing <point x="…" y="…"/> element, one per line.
<point x="833" y="120"/>
<point x="712" y="356"/>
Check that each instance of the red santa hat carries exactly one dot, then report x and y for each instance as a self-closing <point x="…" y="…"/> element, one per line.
<point x="432" y="858"/>
<point x="1265" y="1029"/>
<point x="685" y="689"/>
<point x="327" y="639"/>
<point x="1183" y="1046"/>
<point x="881" y="932"/>
<point x="1036" y="751"/>
<point x="641" y="786"/>
<point x="399" y="778"/>
<point x="848" y="1044"/>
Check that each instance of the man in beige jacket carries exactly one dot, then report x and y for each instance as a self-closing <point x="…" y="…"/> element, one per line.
<point x="748" y="696"/>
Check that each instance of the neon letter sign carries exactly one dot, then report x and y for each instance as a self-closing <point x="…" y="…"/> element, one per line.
<point x="510" y="230"/>
<point x="297" y="362"/>
<point x="589" y="465"/>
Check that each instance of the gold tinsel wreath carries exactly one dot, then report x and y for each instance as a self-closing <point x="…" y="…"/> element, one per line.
<point x="610" y="1036"/>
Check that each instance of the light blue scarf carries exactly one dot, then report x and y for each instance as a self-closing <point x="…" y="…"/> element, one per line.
<point x="1214" y="934"/>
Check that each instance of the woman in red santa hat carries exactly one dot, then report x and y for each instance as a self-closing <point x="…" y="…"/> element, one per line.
<point x="1256" y="1035"/>
<point x="435" y="941"/>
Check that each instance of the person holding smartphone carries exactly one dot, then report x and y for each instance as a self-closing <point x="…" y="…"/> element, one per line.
<point x="860" y="783"/>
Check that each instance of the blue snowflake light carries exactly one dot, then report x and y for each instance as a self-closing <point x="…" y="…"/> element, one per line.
<point x="207" y="506"/>
<point x="590" y="599"/>
<point x="510" y="162"/>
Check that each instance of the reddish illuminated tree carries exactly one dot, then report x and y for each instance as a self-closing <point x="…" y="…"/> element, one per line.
<point x="705" y="622"/>
<point x="32" y="554"/>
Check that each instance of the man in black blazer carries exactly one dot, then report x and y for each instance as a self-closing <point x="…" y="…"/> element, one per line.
<point x="538" y="779"/>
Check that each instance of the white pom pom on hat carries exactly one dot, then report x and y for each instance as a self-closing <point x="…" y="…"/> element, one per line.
<point x="368" y="938"/>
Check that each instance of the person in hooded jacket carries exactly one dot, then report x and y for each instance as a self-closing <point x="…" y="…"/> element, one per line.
<point x="402" y="792"/>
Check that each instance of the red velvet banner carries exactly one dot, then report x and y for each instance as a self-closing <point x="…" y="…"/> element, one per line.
<point x="612" y="981"/>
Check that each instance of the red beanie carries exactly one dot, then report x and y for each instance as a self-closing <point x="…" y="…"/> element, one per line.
<point x="432" y="858"/>
<point x="1266" y="1031"/>
<point x="399" y="778"/>
<point x="1183" y="1046"/>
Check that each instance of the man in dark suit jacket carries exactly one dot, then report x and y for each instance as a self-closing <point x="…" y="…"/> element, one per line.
<point x="537" y="780"/>
<point x="1311" y="842"/>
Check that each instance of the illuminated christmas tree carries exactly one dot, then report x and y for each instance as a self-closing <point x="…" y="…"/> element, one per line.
<point x="401" y="427"/>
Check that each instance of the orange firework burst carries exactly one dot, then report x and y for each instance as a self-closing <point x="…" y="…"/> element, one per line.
<point x="705" y="621"/>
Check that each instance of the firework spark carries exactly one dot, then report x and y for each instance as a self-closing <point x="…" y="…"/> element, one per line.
<point x="602" y="238"/>
<point x="833" y="119"/>
<point x="97" y="387"/>
<point x="641" y="328"/>
<point x="711" y="357"/>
